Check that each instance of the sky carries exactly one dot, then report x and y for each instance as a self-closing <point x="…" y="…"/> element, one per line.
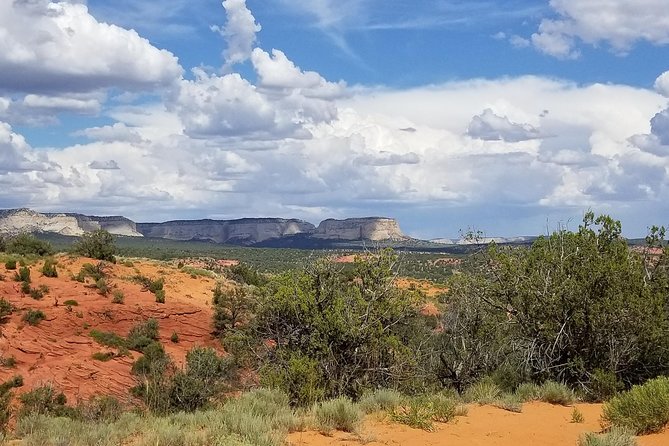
<point x="507" y="117"/>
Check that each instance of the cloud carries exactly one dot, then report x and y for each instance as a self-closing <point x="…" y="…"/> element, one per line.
<point x="15" y="153"/>
<point x="115" y="132"/>
<point x="662" y="84"/>
<point x="490" y="127"/>
<point x="657" y="141"/>
<point x="40" y="110"/>
<point x="239" y="32"/>
<point x="52" y="48"/>
<point x="104" y="165"/>
<point x="389" y="159"/>
<point x="619" y="23"/>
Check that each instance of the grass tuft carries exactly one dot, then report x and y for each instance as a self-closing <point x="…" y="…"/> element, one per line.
<point x="615" y="437"/>
<point x="340" y="414"/>
<point x="643" y="409"/>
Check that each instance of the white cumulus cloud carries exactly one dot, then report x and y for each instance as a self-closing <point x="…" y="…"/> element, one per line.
<point x="489" y="126"/>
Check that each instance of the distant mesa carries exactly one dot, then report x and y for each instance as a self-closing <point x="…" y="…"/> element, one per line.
<point x="245" y="231"/>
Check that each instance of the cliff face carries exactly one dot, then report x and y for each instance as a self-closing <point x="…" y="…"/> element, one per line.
<point x="243" y="231"/>
<point x="15" y="221"/>
<point x="371" y="228"/>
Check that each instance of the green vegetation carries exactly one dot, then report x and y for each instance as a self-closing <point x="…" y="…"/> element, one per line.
<point x="6" y="400"/>
<point x="577" y="416"/>
<point x="33" y="317"/>
<point x="643" y="409"/>
<point x="49" y="268"/>
<point x="118" y="297"/>
<point x="174" y="337"/>
<point x="99" y="244"/>
<point x="154" y="286"/>
<point x="8" y="362"/>
<point x="556" y="393"/>
<point x="22" y="275"/>
<point x="231" y="307"/>
<point x="615" y="437"/>
<point x="28" y="244"/>
<point x="96" y="272"/>
<point x="71" y="303"/>
<point x="381" y="400"/>
<point x="6" y="309"/>
<point x="340" y="414"/>
<point x="108" y="339"/>
<point x="10" y="264"/>
<point x="142" y="334"/>
<point x="103" y="356"/>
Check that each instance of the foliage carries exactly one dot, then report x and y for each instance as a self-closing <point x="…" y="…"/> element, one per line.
<point x="510" y="402"/>
<point x="99" y="244"/>
<point x="96" y="272"/>
<point x="357" y="330"/>
<point x="49" y="268"/>
<point x="6" y="308"/>
<point x="71" y="303"/>
<point x="118" y="297"/>
<point x="482" y="392"/>
<point x="577" y="416"/>
<point x="6" y="400"/>
<point x="576" y="307"/>
<point x="615" y="437"/>
<point x="556" y="393"/>
<point x="380" y="399"/>
<point x="174" y="337"/>
<point x="27" y="244"/>
<point x="33" y="317"/>
<point x="643" y="409"/>
<point x="22" y="275"/>
<point x="8" y="361"/>
<point x="108" y="339"/>
<point x="44" y="400"/>
<point x="340" y="414"/>
<point x="143" y="334"/>
<point x="103" y="356"/>
<point x="244" y="274"/>
<point x="528" y="392"/>
<point x="231" y="307"/>
<point x="10" y="264"/>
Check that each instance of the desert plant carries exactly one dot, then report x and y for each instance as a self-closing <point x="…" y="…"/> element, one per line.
<point x="99" y="244"/>
<point x="108" y="339"/>
<point x="49" y="268"/>
<point x="118" y="297"/>
<point x="25" y="287"/>
<point x="22" y="275"/>
<point x="8" y="361"/>
<point x="143" y="334"/>
<point x="102" y="286"/>
<point x="10" y="264"/>
<point x="44" y="400"/>
<point x="33" y="317"/>
<point x="160" y="296"/>
<point x="380" y="399"/>
<point x="6" y="308"/>
<point x="482" y="392"/>
<point x="340" y="414"/>
<point x="556" y="393"/>
<point x="577" y="416"/>
<point x="615" y="437"/>
<point x="103" y="356"/>
<point x="527" y="392"/>
<point x="6" y="399"/>
<point x="71" y="303"/>
<point x="414" y="413"/>
<point x="510" y="402"/>
<point x="643" y="409"/>
<point x="26" y="244"/>
<point x="175" y="337"/>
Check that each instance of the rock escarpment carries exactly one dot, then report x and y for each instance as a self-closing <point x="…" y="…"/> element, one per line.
<point x="370" y="228"/>
<point x="15" y="221"/>
<point x="242" y="231"/>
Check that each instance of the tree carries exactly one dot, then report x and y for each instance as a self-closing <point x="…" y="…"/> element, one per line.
<point x="26" y="244"/>
<point x="231" y="307"/>
<point x="99" y="244"/>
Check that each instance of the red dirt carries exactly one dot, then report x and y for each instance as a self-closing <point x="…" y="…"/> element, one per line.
<point x="538" y="424"/>
<point x="59" y="349"/>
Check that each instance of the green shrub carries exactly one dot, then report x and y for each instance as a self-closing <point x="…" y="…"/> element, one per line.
<point x="22" y="275"/>
<point x="299" y="376"/>
<point x="10" y="264"/>
<point x="95" y="272"/>
<point x="603" y="385"/>
<point x="26" y="244"/>
<point x="103" y="356"/>
<point x="102" y="286"/>
<point x="8" y="361"/>
<point x="6" y="400"/>
<point x="143" y="334"/>
<point x="160" y="296"/>
<point x="380" y="399"/>
<point x="615" y="437"/>
<point x="49" y="268"/>
<point x="6" y="308"/>
<point x="577" y="416"/>
<point x="643" y="409"/>
<point x="25" y="287"/>
<point x="99" y="244"/>
<point x="414" y="413"/>
<point x="340" y="414"/>
<point x="118" y="297"/>
<point x="33" y="317"/>
<point x="556" y="393"/>
<point x="510" y="402"/>
<point x="100" y="408"/>
<point x="528" y="392"/>
<point x="175" y="337"/>
<point x="482" y="392"/>
<point x="108" y="339"/>
<point x="71" y="303"/>
<point x="45" y="400"/>
<point x="36" y="293"/>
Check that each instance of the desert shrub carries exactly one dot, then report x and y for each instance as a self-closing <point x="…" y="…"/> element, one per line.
<point x="160" y="296"/>
<point x="143" y="334"/>
<point x="6" y="400"/>
<point x="482" y="392"/>
<point x="100" y="408"/>
<point x="102" y="286"/>
<point x="25" y="287"/>
<point x="380" y="399"/>
<point x="244" y="274"/>
<point x="10" y="264"/>
<point x="174" y="337"/>
<point x="643" y="409"/>
<point x="154" y="371"/>
<point x="153" y="360"/>
<point x="22" y="275"/>
<point x="510" y="402"/>
<point x="99" y="244"/>
<point x="528" y="392"/>
<point x="71" y="303"/>
<point x="103" y="356"/>
<point x="577" y="416"/>
<point x="6" y="308"/>
<point x="414" y="413"/>
<point x="603" y="385"/>
<point x="33" y="317"/>
<point x="95" y="272"/>
<point x="49" y="268"/>
<point x="340" y="414"/>
<point x="36" y="293"/>
<point x="556" y="393"/>
<point x="108" y="338"/>
<point x="27" y="244"/>
<point x="44" y="400"/>
<point x="615" y="437"/>
<point x="231" y="307"/>
<point x="197" y="272"/>
<point x="118" y="297"/>
<point x="271" y="405"/>
<point x="298" y="375"/>
<point x="8" y="361"/>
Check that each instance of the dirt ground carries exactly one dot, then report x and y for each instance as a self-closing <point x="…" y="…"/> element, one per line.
<point x="539" y="424"/>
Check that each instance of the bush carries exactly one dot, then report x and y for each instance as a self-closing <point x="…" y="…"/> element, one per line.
<point x="616" y="437"/>
<point x="36" y="293"/>
<point x="643" y="409"/>
<point x="100" y="408"/>
<point x="175" y="337"/>
<point x="556" y="393"/>
<point x="95" y="272"/>
<point x="510" y="402"/>
<point x="102" y="286"/>
<point x="160" y="296"/>
<point x="414" y="413"/>
<point x="23" y="275"/>
<point x="577" y="416"/>
<point x="528" y="392"/>
<point x="99" y="244"/>
<point x="103" y="356"/>
<point x="10" y="264"/>
<point x="45" y="400"/>
<point x="482" y="392"/>
<point x="118" y="297"/>
<point x="143" y="334"/>
<point x="380" y="399"/>
<point x="26" y="244"/>
<point x="108" y="339"/>
<point x="6" y="308"/>
<point x="340" y="414"/>
<point x="71" y="303"/>
<point x="8" y="361"/>
<point x="603" y="385"/>
<point x="6" y="399"/>
<point x="33" y="317"/>
<point x="25" y="287"/>
<point x="231" y="307"/>
<point x="49" y="268"/>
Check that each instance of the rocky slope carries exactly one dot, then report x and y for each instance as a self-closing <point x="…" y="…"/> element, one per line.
<point x="14" y="221"/>
<point x="370" y="228"/>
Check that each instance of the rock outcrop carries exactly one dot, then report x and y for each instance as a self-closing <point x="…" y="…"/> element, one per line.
<point x="370" y="228"/>
<point x="14" y="221"/>
<point x="246" y="231"/>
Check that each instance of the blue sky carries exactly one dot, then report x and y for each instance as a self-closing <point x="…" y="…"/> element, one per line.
<point x="507" y="116"/>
